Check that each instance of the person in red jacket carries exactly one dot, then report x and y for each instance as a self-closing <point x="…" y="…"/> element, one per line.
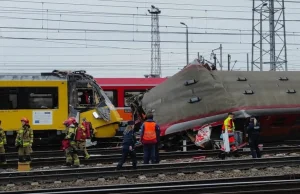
<point x="149" y="138"/>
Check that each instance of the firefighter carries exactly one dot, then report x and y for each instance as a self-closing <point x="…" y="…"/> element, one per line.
<point x="229" y="125"/>
<point x="65" y="142"/>
<point x="149" y="131"/>
<point x="129" y="141"/>
<point x="2" y="143"/>
<point x="71" y="150"/>
<point x="253" y="131"/>
<point x="81" y="140"/>
<point x="24" y="141"/>
<point x="89" y="133"/>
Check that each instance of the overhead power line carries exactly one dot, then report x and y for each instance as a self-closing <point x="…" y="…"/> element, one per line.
<point x="135" y="7"/>
<point x="46" y="30"/>
<point x="94" y="22"/>
<point x="124" y="40"/>
<point x="113" y="6"/>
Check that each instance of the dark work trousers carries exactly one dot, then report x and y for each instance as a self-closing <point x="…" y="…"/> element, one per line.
<point x="125" y="153"/>
<point x="253" y="142"/>
<point x="149" y="153"/>
<point x="157" y="153"/>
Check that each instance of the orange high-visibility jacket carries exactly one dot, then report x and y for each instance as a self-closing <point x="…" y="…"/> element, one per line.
<point x="149" y="135"/>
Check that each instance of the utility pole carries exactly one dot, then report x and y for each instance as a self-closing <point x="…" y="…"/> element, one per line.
<point x="187" y="42"/>
<point x="155" y="42"/>
<point x="221" y="56"/>
<point x="198" y="56"/>
<point x="229" y="60"/>
<point x="272" y="12"/>
<point x="215" y="60"/>
<point x="247" y="61"/>
<point x="261" y="38"/>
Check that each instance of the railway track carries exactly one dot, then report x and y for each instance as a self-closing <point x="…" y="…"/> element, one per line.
<point x="267" y="184"/>
<point x="110" y="151"/>
<point x="71" y="174"/>
<point x="39" y="161"/>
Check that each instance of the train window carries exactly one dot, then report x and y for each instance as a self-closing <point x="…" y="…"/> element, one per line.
<point x="29" y="98"/>
<point x="8" y="98"/>
<point x="85" y="96"/>
<point x="41" y="98"/>
<point x="129" y="94"/>
<point x="13" y="98"/>
<point x="97" y="98"/>
<point x="112" y="95"/>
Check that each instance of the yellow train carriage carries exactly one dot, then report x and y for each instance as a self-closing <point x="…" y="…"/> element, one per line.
<point x="47" y="99"/>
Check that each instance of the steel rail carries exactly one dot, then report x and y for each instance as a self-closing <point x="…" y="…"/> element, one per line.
<point x="39" y="162"/>
<point x="117" y="152"/>
<point x="240" y="185"/>
<point x="149" y="170"/>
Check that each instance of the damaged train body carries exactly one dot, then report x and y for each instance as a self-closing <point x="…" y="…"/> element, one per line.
<point x="197" y="98"/>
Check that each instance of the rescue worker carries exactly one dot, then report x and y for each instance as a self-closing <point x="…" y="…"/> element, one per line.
<point x="65" y="142"/>
<point x="149" y="129"/>
<point x="229" y="124"/>
<point x="129" y="141"/>
<point x="71" y="150"/>
<point x="89" y="133"/>
<point x="253" y="131"/>
<point x="2" y="143"/>
<point x="24" y="141"/>
<point x="81" y="140"/>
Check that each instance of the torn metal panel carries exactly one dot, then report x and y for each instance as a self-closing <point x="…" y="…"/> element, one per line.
<point x="244" y="93"/>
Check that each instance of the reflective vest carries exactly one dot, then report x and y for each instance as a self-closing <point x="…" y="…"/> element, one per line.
<point x="229" y="124"/>
<point x="24" y="137"/>
<point x="149" y="136"/>
<point x="2" y="137"/>
<point x="71" y="133"/>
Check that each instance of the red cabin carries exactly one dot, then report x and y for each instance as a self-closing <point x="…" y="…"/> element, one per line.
<point x="118" y="89"/>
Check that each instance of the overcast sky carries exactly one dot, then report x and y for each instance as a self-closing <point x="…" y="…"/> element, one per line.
<point x="111" y="38"/>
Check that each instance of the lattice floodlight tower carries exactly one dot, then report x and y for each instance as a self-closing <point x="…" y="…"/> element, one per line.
<point x="269" y="45"/>
<point x="155" y="42"/>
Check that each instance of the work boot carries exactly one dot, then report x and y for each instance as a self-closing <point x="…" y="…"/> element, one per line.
<point x="87" y="156"/>
<point x="222" y="155"/>
<point x="76" y="161"/>
<point x="2" y="159"/>
<point x="21" y="159"/>
<point x="28" y="158"/>
<point x="134" y="166"/>
<point x="68" y="164"/>
<point x="119" y="166"/>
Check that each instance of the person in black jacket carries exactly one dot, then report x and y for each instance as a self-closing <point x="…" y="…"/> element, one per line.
<point x="253" y="131"/>
<point x="129" y="141"/>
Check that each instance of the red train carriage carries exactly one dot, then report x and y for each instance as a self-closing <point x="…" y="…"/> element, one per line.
<point x="118" y="89"/>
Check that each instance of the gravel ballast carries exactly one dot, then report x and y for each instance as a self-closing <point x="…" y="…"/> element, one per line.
<point x="159" y="178"/>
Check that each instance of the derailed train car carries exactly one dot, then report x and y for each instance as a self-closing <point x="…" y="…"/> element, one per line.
<point x="198" y="96"/>
<point x="47" y="99"/>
